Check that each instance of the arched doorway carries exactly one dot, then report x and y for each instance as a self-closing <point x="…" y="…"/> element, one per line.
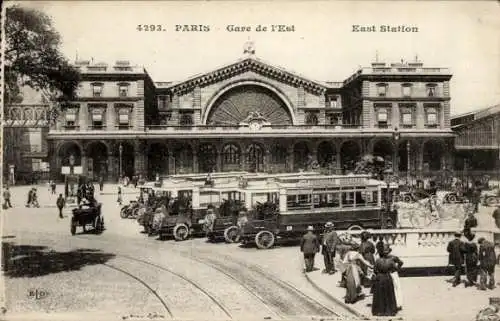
<point x="127" y="159"/>
<point x="300" y="156"/>
<point x="255" y="158"/>
<point x="183" y="158"/>
<point x="68" y="149"/>
<point x="384" y="149"/>
<point x="432" y="155"/>
<point x="350" y="153"/>
<point x="97" y="161"/>
<point x="157" y="160"/>
<point x="207" y="158"/>
<point x="231" y="158"/>
<point x="326" y="153"/>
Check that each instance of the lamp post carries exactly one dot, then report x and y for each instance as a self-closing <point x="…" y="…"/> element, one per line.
<point x="395" y="137"/>
<point x="120" y="150"/>
<point x="71" y="172"/>
<point x="408" y="163"/>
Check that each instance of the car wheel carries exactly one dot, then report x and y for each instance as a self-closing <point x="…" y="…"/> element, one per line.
<point x="407" y="199"/>
<point x="355" y="228"/>
<point x="232" y="234"/>
<point x="451" y="198"/>
<point x="491" y="201"/>
<point x="264" y="239"/>
<point x="124" y="212"/>
<point x="181" y="232"/>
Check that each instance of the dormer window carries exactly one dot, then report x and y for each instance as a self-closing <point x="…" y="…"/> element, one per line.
<point x="97" y="90"/>
<point x="406" y="90"/>
<point x="382" y="90"/>
<point x="123" y="90"/>
<point x="431" y="90"/>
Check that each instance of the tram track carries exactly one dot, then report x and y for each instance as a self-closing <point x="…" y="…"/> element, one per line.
<point x="282" y="299"/>
<point x="272" y="292"/>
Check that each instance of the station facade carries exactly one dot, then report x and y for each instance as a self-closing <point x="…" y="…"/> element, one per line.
<point x="255" y="116"/>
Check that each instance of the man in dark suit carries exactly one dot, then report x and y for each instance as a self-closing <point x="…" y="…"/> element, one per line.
<point x="471" y="254"/>
<point x="487" y="260"/>
<point x="309" y="245"/>
<point x="469" y="223"/>
<point x="455" y="257"/>
<point x="328" y="249"/>
<point x="496" y="216"/>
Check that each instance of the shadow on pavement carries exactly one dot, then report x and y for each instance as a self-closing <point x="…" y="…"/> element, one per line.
<point x="33" y="261"/>
<point x="426" y="272"/>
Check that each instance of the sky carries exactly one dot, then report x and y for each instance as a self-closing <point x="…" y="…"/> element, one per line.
<point x="463" y="36"/>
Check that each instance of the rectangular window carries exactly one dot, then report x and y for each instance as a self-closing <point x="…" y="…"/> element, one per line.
<point x="347" y="199"/>
<point x="431" y="91"/>
<point x="332" y="102"/>
<point x="432" y="117"/>
<point x="97" y="90"/>
<point x="70" y="118"/>
<point x="406" y="90"/>
<point x="123" y="119"/>
<point x="123" y="90"/>
<point x="407" y="118"/>
<point x="382" y="90"/>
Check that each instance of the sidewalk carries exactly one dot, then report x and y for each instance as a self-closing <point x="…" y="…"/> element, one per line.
<point x="425" y="298"/>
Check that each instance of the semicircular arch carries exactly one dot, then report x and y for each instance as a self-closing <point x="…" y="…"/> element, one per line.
<point x="275" y="94"/>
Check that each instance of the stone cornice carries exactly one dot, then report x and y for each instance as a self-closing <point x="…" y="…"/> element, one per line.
<point x="249" y="64"/>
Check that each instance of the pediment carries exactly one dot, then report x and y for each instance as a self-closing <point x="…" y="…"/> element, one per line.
<point x="245" y="65"/>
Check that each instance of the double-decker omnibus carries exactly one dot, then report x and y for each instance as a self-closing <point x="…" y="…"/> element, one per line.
<point x="349" y="201"/>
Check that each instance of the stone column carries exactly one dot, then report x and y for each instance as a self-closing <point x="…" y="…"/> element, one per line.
<point x="140" y="158"/>
<point x="419" y="148"/>
<point x="290" y="157"/>
<point x="218" y="162"/>
<point x="267" y="159"/>
<point x="395" y="158"/>
<point x="171" y="163"/>
<point x="196" y="167"/>
<point x="111" y="167"/>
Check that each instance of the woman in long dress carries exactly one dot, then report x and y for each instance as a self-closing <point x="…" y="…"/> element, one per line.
<point x="354" y="273"/>
<point x="395" y="279"/>
<point x="384" y="298"/>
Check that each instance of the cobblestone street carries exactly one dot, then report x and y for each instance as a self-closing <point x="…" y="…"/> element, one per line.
<point x="122" y="272"/>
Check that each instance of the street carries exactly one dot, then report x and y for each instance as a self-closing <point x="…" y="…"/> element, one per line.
<point x="123" y="273"/>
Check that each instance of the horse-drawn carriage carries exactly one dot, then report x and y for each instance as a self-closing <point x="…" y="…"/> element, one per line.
<point x="87" y="214"/>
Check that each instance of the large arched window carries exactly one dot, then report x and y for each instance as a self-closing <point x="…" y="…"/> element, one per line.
<point x="231" y="154"/>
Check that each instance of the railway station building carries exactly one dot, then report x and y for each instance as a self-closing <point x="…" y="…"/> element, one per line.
<point x="255" y="116"/>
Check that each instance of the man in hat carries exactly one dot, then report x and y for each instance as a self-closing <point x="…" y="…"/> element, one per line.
<point x="455" y="257"/>
<point x="470" y="251"/>
<point x="309" y="245"/>
<point x="330" y="242"/>
<point x="487" y="260"/>
<point x="469" y="223"/>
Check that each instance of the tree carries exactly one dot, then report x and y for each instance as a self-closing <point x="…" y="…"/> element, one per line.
<point x="32" y="58"/>
<point x="376" y="166"/>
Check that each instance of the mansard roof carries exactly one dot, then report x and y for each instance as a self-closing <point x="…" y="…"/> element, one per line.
<point x="249" y="64"/>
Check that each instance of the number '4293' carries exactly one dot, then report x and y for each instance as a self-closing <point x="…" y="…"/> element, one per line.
<point x="150" y="28"/>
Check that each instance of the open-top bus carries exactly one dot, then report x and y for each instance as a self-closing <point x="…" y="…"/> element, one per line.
<point x="350" y="202"/>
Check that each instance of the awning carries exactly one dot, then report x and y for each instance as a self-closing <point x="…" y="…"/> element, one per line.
<point x="70" y="116"/>
<point x="382" y="115"/>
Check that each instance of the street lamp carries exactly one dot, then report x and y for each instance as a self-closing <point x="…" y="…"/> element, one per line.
<point x="395" y="137"/>
<point x="120" y="150"/>
<point x="408" y="163"/>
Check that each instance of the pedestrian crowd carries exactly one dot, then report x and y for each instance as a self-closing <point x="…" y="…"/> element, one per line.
<point x="363" y="264"/>
<point x="476" y="260"/>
